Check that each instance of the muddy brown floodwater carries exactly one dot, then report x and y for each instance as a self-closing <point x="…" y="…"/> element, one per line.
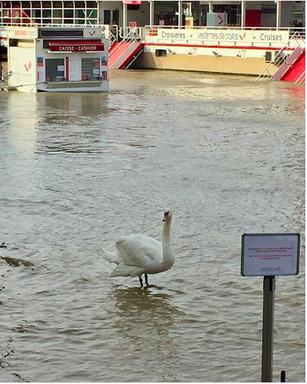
<point x="77" y="171"/>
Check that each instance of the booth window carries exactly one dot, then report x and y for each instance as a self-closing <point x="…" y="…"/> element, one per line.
<point x="55" y="70"/>
<point x="90" y="68"/>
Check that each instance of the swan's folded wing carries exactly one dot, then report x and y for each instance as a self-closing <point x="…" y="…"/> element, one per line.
<point x="127" y="270"/>
<point x="111" y="257"/>
<point x="138" y="249"/>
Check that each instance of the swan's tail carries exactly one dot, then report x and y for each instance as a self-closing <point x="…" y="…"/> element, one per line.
<point x="111" y="257"/>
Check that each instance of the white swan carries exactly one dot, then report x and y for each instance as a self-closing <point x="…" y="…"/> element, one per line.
<point x="138" y="254"/>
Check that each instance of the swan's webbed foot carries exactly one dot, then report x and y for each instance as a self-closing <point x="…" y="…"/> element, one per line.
<point x="146" y="278"/>
<point x="141" y="281"/>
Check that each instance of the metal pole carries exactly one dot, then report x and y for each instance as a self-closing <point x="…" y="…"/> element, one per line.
<point x="243" y="14"/>
<point x="124" y="19"/>
<point x="151" y="13"/>
<point x="278" y="4"/>
<point x="179" y="14"/>
<point x="267" y="330"/>
<point x="210" y="6"/>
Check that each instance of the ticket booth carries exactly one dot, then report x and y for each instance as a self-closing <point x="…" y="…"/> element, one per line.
<point x="53" y="59"/>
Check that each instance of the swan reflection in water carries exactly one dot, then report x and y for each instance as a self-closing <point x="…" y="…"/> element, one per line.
<point x="146" y="322"/>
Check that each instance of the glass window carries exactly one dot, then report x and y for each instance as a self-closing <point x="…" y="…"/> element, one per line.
<point x="47" y="13"/>
<point x="79" y="16"/>
<point x="57" y="4"/>
<point x="106" y="16"/>
<point x="90" y="68"/>
<point x="68" y="16"/>
<point x="115" y="18"/>
<point x="91" y="13"/>
<point x="79" y="4"/>
<point x="37" y="15"/>
<point x="57" y="16"/>
<point x="55" y="70"/>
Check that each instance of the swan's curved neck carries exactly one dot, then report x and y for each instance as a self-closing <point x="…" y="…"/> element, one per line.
<point x="168" y="256"/>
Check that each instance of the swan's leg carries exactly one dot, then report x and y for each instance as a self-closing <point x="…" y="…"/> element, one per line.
<point x="146" y="278"/>
<point x="141" y="281"/>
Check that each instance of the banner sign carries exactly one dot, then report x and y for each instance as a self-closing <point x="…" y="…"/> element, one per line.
<point x="270" y="254"/>
<point x="22" y="32"/>
<point x="75" y="45"/>
<point x="213" y="36"/>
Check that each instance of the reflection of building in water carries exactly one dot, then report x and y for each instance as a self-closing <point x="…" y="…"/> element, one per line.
<point x="144" y="325"/>
<point x="75" y="104"/>
<point x="20" y="159"/>
<point x="67" y="125"/>
<point x="22" y="131"/>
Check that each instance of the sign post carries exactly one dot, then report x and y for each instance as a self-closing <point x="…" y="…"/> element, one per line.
<point x="269" y="255"/>
<point x="268" y="328"/>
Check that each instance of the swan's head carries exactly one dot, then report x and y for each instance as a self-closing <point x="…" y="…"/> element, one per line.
<point x="167" y="216"/>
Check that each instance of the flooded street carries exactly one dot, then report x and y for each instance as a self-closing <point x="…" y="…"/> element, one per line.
<point x="78" y="171"/>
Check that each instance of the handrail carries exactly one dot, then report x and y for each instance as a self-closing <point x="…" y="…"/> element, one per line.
<point x="137" y="32"/>
<point x="280" y="57"/>
<point x="278" y="60"/>
<point x="113" y="33"/>
<point x="298" y="80"/>
<point x="133" y="60"/>
<point x="131" y="36"/>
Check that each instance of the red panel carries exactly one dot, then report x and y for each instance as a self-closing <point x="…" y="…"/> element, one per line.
<point x="296" y="70"/>
<point x="75" y="45"/>
<point x="253" y="18"/>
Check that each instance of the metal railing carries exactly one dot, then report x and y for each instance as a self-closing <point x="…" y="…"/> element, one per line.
<point x="28" y="15"/>
<point x="298" y="31"/>
<point x="135" y="33"/>
<point x="131" y="36"/>
<point x="272" y="66"/>
<point x="280" y="57"/>
<point x="301" y="78"/>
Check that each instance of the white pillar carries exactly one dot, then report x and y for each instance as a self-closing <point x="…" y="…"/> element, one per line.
<point x="179" y="13"/>
<point x="74" y="13"/>
<point x="151" y="13"/>
<point x="243" y="14"/>
<point x="31" y="13"/>
<point x="210" y="6"/>
<point x="63" y="7"/>
<point x="124" y="18"/>
<point x="278" y="14"/>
